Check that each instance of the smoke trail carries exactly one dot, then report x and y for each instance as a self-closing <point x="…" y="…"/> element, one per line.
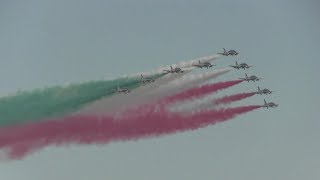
<point x="139" y="98"/>
<point x="187" y="82"/>
<point x="232" y="98"/>
<point x="199" y="104"/>
<point x="186" y="64"/>
<point x="135" y="98"/>
<point x="153" y="122"/>
<point x="56" y="101"/>
<point x="190" y="63"/>
<point x="201" y="91"/>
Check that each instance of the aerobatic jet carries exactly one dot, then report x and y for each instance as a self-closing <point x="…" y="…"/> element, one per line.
<point x="263" y="91"/>
<point x="146" y="80"/>
<point x="122" y="90"/>
<point x="173" y="70"/>
<point x="241" y="66"/>
<point x="203" y="65"/>
<point x="229" y="53"/>
<point x="269" y="105"/>
<point x="250" y="78"/>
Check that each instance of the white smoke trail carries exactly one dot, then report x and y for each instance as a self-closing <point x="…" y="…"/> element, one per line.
<point x="184" y="64"/>
<point x="190" y="63"/>
<point x="168" y="86"/>
<point x="187" y="82"/>
<point x="193" y="105"/>
<point x="135" y="97"/>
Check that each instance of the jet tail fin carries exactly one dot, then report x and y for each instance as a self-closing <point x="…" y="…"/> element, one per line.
<point x="265" y="102"/>
<point x="258" y="88"/>
<point x="224" y="50"/>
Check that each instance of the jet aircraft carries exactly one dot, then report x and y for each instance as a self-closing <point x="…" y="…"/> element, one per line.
<point x="229" y="53"/>
<point x="122" y="90"/>
<point x="203" y="65"/>
<point x="146" y="80"/>
<point x="263" y="91"/>
<point x="174" y="70"/>
<point x="241" y="66"/>
<point x="250" y="78"/>
<point x="269" y="105"/>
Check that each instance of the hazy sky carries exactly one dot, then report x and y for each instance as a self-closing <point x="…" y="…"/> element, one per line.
<point x="54" y="42"/>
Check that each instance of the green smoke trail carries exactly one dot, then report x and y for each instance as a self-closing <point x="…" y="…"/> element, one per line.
<point x="57" y="101"/>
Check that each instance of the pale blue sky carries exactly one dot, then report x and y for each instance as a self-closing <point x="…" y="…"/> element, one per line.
<point x="53" y="42"/>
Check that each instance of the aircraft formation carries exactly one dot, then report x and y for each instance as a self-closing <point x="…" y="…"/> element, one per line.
<point x="177" y="70"/>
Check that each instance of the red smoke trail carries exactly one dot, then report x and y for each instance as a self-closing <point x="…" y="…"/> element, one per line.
<point x="232" y="98"/>
<point x="100" y="130"/>
<point x="201" y="91"/>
